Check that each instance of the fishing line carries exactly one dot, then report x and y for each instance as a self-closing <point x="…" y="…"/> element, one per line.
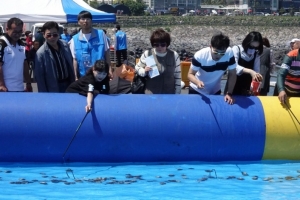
<point x="289" y="110"/>
<point x="207" y="100"/>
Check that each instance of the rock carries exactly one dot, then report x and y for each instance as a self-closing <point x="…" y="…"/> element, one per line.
<point x="194" y="38"/>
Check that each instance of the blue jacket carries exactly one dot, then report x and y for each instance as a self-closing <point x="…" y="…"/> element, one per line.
<point x="121" y="41"/>
<point x="95" y="47"/>
<point x="65" y="37"/>
<point x="45" y="67"/>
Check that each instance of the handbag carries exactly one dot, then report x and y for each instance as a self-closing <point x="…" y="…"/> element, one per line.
<point x="127" y="72"/>
<point x="138" y="84"/>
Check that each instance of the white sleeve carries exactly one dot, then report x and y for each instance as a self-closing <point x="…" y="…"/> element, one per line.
<point x="140" y="66"/>
<point x="91" y="88"/>
<point x="72" y="47"/>
<point x="230" y="57"/>
<point x="236" y="54"/>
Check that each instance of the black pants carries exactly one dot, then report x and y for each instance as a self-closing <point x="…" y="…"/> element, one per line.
<point x="192" y="91"/>
<point x="120" y="53"/>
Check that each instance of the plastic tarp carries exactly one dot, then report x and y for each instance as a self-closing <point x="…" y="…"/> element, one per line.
<point x="61" y="11"/>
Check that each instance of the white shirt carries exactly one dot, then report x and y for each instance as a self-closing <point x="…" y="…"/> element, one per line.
<point x="246" y="57"/>
<point x="13" y="66"/>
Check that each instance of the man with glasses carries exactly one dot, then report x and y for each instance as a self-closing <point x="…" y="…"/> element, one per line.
<point x="14" y="68"/>
<point x="53" y="68"/>
<point x="208" y="66"/>
<point x="88" y="46"/>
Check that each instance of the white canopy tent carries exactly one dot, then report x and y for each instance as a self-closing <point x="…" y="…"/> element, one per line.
<point x="61" y="11"/>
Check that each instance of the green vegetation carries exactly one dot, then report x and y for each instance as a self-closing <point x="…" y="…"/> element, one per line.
<point x="136" y="7"/>
<point x="167" y="21"/>
<point x="168" y="29"/>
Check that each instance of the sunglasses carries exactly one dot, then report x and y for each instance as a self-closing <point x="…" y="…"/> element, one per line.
<point x="159" y="44"/>
<point x="49" y="35"/>
<point x="252" y="47"/>
<point x="218" y="53"/>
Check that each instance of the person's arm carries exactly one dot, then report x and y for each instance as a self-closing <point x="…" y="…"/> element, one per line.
<point x="191" y="76"/>
<point x="75" y="63"/>
<point x="177" y="74"/>
<point x="255" y="75"/>
<point x="89" y="101"/>
<point x="89" y="98"/>
<point x="107" y="54"/>
<point x="231" y="83"/>
<point x="107" y="58"/>
<point x="2" y="84"/>
<point x="272" y="63"/>
<point x="39" y="73"/>
<point x="281" y="75"/>
<point x="236" y="54"/>
<point x="141" y="67"/>
<point x="27" y="77"/>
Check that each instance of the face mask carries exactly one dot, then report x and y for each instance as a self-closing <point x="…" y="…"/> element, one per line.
<point x="250" y="51"/>
<point x="100" y="76"/>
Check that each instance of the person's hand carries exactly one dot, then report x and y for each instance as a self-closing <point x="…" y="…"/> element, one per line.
<point x="282" y="97"/>
<point x="28" y="88"/>
<point x="88" y="108"/>
<point x="147" y="69"/>
<point x="229" y="99"/>
<point x="3" y="88"/>
<point x="200" y="85"/>
<point x="256" y="76"/>
<point x="110" y="74"/>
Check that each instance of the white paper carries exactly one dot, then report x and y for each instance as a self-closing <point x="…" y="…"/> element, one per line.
<point x="150" y="62"/>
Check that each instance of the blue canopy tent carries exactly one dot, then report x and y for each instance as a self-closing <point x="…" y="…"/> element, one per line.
<point x="61" y="11"/>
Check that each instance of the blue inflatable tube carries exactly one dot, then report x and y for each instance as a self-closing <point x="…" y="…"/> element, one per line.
<point x="37" y="127"/>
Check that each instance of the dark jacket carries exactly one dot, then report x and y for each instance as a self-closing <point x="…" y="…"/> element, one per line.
<point x="81" y="86"/>
<point x="45" y="68"/>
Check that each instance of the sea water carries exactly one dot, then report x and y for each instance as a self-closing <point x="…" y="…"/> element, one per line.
<point x="193" y="180"/>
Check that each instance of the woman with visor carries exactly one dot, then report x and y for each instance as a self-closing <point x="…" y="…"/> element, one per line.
<point x="208" y="66"/>
<point x="95" y="81"/>
<point x="167" y="69"/>
<point x="247" y="57"/>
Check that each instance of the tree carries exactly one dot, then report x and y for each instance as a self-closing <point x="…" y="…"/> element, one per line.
<point x="94" y="4"/>
<point x="281" y="11"/>
<point x="136" y="8"/>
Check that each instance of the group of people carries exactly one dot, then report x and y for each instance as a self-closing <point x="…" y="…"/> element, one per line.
<point x="82" y="63"/>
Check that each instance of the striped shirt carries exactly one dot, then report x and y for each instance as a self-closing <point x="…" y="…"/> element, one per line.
<point x="210" y="71"/>
<point x="61" y="64"/>
<point x="291" y="68"/>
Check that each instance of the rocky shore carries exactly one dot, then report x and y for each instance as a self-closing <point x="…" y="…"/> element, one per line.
<point x="192" y="38"/>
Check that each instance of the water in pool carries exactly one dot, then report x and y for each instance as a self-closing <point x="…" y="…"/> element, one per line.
<point x="193" y="180"/>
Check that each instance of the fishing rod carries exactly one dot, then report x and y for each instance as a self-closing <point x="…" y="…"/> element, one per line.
<point x="75" y="133"/>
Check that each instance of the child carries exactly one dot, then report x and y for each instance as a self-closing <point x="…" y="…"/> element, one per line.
<point x="96" y="81"/>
